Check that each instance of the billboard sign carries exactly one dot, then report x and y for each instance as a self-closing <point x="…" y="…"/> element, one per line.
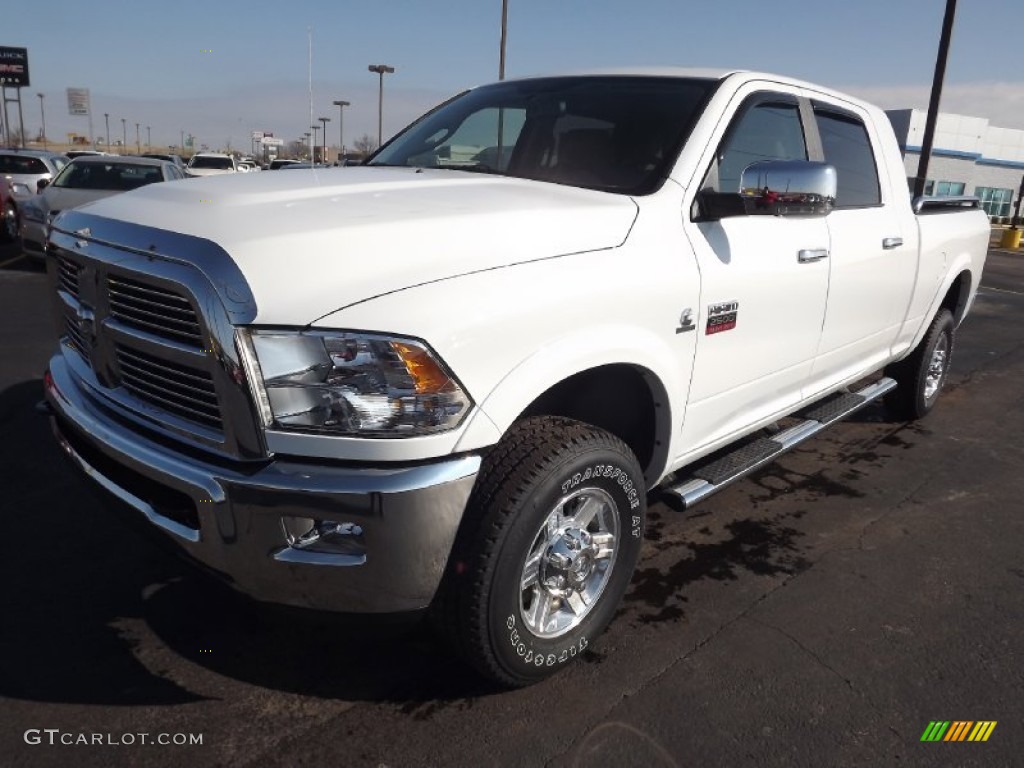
<point x="13" y="66"/>
<point x="270" y="141"/>
<point x="78" y="101"/>
<point x="257" y="135"/>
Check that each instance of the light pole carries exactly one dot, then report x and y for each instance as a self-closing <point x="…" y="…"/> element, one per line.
<point x="106" y="118"/>
<point x="138" y="144"/>
<point x="306" y="135"/>
<point x="314" y="128"/>
<point x="341" y="128"/>
<point x="325" y="121"/>
<point x="124" y="135"/>
<point x="380" y="69"/>
<point x="42" y="112"/>
<point x="504" y="30"/>
<point x="149" y="136"/>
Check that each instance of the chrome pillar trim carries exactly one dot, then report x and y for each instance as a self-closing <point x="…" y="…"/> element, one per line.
<point x="128" y="498"/>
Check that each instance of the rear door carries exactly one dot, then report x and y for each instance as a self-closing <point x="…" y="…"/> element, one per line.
<point x="873" y="261"/>
<point x="762" y="306"/>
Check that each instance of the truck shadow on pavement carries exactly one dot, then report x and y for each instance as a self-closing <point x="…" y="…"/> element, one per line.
<point x="94" y="614"/>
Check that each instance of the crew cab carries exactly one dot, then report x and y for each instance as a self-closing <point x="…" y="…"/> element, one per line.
<point x="447" y="380"/>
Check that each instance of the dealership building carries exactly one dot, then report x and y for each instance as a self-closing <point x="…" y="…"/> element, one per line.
<point x="969" y="157"/>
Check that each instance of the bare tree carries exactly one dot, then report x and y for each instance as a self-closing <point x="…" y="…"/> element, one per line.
<point x="365" y="144"/>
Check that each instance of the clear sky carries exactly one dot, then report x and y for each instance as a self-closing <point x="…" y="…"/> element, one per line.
<point x="220" y="69"/>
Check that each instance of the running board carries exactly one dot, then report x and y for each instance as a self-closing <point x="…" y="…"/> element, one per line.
<point x="715" y="476"/>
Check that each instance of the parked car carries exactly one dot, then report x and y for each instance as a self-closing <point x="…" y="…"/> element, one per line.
<point x="417" y="385"/>
<point x="82" y="181"/>
<point x="278" y="164"/>
<point x="23" y="169"/>
<point x="211" y="164"/>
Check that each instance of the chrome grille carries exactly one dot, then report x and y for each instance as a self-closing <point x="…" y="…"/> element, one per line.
<point x="155" y="310"/>
<point x="186" y="392"/>
<point x="75" y="337"/>
<point x="67" y="273"/>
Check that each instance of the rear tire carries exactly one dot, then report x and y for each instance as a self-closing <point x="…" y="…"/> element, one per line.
<point x="920" y="376"/>
<point x="551" y="537"/>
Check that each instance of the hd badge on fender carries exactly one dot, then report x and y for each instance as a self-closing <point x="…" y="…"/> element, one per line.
<point x="722" y="317"/>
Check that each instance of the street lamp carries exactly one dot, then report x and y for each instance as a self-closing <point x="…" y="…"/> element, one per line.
<point x="314" y="128"/>
<point x="149" y="145"/>
<point x="43" y="113"/>
<point x="325" y="121"/>
<point x="138" y="144"/>
<point x="106" y="118"/>
<point x="124" y="135"/>
<point x="306" y="135"/>
<point x="341" y="128"/>
<point x="380" y="69"/>
<point x="504" y="30"/>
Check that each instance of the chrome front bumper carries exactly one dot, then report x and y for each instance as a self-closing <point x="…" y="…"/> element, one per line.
<point x="398" y="524"/>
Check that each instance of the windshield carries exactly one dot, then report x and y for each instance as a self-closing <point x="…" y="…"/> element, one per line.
<point x="119" y="177"/>
<point x="614" y="133"/>
<point x="212" y="162"/>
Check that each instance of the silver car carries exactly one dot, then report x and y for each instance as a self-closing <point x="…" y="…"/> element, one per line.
<point x="22" y="170"/>
<point x="83" y="180"/>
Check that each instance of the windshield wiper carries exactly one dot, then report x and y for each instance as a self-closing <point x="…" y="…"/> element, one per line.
<point x="478" y="168"/>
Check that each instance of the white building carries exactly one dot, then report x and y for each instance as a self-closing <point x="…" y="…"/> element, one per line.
<point x="969" y="157"/>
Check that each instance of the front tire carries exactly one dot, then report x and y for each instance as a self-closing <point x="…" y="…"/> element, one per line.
<point x="920" y="376"/>
<point x="551" y="539"/>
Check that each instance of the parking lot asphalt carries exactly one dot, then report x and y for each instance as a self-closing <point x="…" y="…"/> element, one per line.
<point x="821" y="612"/>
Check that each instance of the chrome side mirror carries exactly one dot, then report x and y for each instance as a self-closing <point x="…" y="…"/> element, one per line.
<point x="788" y="188"/>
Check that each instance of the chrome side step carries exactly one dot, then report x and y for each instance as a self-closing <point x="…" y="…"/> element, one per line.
<point x="712" y="477"/>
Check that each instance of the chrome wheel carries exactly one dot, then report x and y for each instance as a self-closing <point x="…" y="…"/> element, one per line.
<point x="569" y="562"/>
<point x="936" y="368"/>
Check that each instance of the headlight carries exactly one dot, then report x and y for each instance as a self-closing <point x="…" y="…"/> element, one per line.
<point x="353" y="384"/>
<point x="30" y="212"/>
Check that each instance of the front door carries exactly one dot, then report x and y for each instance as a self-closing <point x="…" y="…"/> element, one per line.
<point x="764" y="285"/>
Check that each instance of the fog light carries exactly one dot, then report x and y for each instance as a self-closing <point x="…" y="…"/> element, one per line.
<point x="327" y="536"/>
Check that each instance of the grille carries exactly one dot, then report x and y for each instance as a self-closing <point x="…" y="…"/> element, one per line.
<point x="67" y="274"/>
<point x="184" y="391"/>
<point x="75" y="337"/>
<point x="155" y="310"/>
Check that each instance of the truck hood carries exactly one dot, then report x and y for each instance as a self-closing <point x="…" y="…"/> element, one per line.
<point x="312" y="242"/>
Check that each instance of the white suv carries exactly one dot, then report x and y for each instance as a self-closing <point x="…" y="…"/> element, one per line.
<point x="211" y="164"/>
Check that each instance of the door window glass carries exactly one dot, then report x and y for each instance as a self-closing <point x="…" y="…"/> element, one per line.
<point x="766" y="131"/>
<point x="847" y="148"/>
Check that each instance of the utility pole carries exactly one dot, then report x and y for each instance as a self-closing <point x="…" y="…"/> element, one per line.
<point x="42" y="112"/>
<point x="933" y="103"/>
<point x="380" y="69"/>
<point x="341" y="128"/>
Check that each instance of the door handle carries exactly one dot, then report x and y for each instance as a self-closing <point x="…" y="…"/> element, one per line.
<point x="807" y="255"/>
<point x="888" y="243"/>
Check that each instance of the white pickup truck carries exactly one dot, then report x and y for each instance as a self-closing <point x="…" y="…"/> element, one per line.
<point x="449" y="385"/>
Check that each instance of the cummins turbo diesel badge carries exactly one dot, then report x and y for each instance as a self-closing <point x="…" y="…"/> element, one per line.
<point x="722" y="317"/>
